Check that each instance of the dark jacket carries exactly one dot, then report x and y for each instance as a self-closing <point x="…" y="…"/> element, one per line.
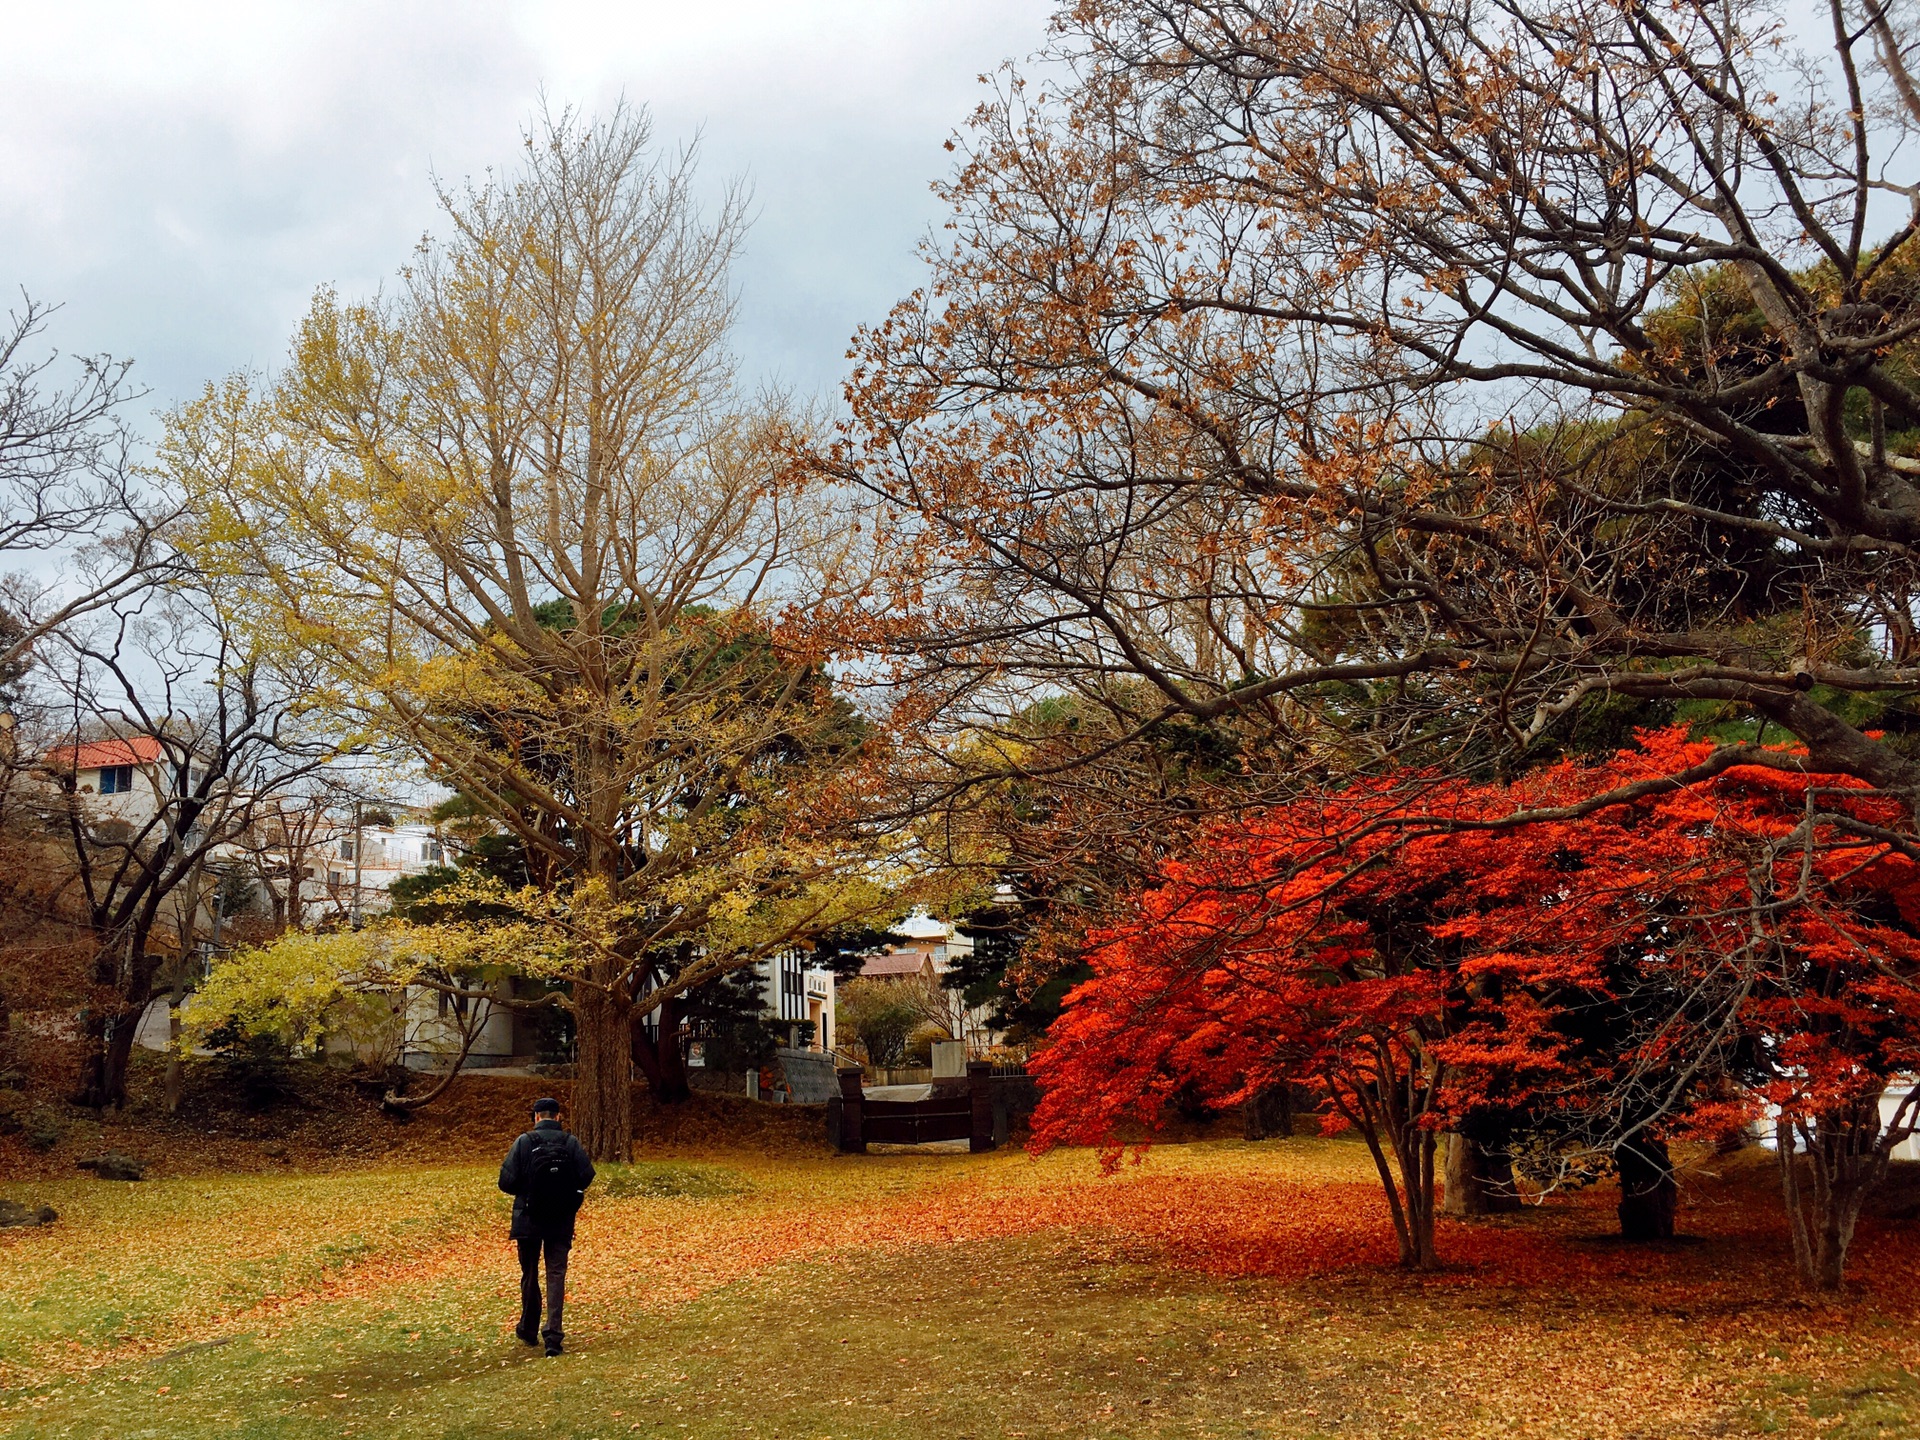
<point x="528" y="1222"/>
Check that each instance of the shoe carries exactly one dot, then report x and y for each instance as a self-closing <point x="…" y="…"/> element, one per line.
<point x="553" y="1345"/>
<point x="525" y="1336"/>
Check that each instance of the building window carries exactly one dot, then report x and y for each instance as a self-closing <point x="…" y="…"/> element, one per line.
<point x="793" y="986"/>
<point x="116" y="779"/>
<point x="346" y="849"/>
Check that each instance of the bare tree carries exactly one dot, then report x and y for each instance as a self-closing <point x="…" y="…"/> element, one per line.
<point x="72" y="508"/>
<point x="199" y="732"/>
<point x="286" y="851"/>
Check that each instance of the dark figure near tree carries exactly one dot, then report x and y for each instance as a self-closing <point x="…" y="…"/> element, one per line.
<point x="547" y="1172"/>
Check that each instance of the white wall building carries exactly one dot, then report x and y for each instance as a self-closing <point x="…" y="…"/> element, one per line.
<point x="794" y="992"/>
<point x="122" y="779"/>
<point x="353" y="869"/>
<point x="1890" y="1101"/>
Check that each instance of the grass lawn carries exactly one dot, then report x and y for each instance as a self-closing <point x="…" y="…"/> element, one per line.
<point x="1218" y="1289"/>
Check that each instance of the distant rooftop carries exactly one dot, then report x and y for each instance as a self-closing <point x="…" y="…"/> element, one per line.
<point x="103" y="754"/>
<point x="894" y="964"/>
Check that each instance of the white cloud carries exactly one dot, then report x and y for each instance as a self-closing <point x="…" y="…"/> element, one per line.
<point x="183" y="176"/>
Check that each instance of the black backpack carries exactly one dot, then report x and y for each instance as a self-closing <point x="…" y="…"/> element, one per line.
<point x="550" y="1185"/>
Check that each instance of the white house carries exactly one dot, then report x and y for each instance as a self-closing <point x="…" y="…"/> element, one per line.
<point x="794" y="992"/>
<point x="923" y="946"/>
<point x="1890" y="1101"/>
<point x="342" y="873"/>
<point x="353" y="872"/>
<point x="354" y="868"/>
<point x="126" y="779"/>
<point x="435" y="1023"/>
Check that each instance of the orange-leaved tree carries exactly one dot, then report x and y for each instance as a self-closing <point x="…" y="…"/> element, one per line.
<point x="1416" y="947"/>
<point x="1429" y="372"/>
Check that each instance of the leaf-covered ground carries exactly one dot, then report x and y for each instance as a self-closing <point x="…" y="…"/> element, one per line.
<point x="1218" y="1289"/>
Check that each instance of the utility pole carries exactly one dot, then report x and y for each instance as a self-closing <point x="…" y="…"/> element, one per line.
<point x="353" y="910"/>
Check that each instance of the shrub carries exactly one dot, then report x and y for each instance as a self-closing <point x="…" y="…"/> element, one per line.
<point x="880" y="1015"/>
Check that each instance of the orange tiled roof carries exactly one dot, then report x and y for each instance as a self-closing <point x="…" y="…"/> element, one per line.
<point x="98" y="754"/>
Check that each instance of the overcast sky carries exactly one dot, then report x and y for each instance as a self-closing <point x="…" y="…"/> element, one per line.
<point x="183" y="175"/>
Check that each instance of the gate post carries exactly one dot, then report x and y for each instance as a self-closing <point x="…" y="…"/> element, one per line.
<point x="852" y="1138"/>
<point x="980" y="1094"/>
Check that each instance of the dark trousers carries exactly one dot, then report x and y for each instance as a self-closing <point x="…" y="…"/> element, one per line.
<point x="556" y="1247"/>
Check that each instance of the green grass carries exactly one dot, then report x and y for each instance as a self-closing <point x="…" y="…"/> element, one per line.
<point x="662" y="1181"/>
<point x="192" y="1308"/>
<point x="1017" y="1337"/>
<point x="129" y="1261"/>
<point x="878" y="1348"/>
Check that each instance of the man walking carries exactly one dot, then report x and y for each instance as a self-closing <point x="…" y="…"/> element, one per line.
<point x="547" y="1173"/>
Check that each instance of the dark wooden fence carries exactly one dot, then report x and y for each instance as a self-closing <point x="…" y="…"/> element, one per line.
<point x="953" y="1112"/>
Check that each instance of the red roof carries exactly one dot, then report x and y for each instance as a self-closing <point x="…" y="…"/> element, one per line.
<point x="99" y="754"/>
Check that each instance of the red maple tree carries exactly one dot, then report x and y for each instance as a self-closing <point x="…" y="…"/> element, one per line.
<point x="1416" y="948"/>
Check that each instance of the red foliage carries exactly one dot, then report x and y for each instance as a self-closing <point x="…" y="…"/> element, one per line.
<point x="1418" y="948"/>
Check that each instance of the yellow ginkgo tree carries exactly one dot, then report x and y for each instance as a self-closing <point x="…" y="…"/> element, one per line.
<point x="520" y="517"/>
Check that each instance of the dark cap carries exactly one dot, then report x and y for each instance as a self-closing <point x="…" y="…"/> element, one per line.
<point x="546" y="1105"/>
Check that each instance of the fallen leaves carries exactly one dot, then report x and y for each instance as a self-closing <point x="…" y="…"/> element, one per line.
<point x="1293" y="1230"/>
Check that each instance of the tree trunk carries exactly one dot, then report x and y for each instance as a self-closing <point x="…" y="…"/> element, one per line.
<point x="1268" y="1112"/>
<point x="123" y="984"/>
<point x="93" y="1057"/>
<point x="1410" y="1195"/>
<point x="1649" y="1195"/>
<point x="108" y="1035"/>
<point x="1846" y="1155"/>
<point x="603" y="1073"/>
<point x="1833" y="1237"/>
<point x="119" y="1052"/>
<point x="176" y="1067"/>
<point x="176" y="1071"/>
<point x="659" y="1057"/>
<point x="1413" y="1148"/>
<point x="1479" y="1181"/>
<point x="1464" y="1195"/>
